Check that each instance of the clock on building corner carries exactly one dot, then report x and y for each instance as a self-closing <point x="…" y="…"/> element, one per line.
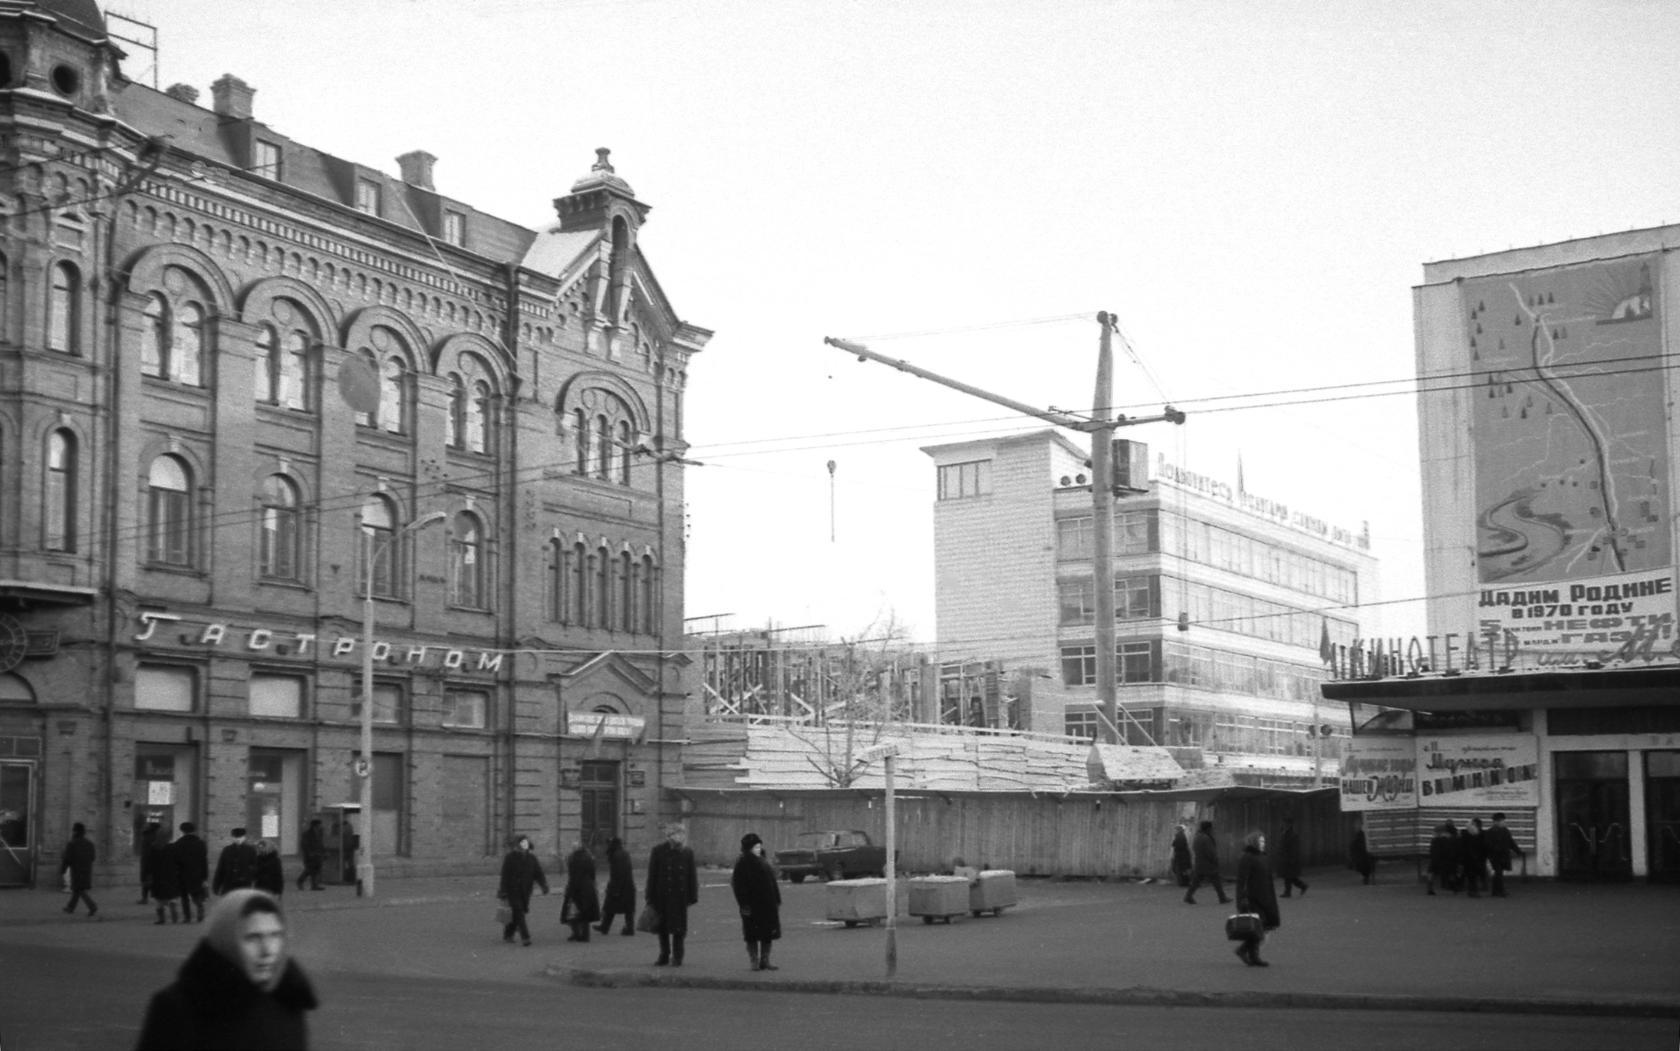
<point x="14" y="642"/>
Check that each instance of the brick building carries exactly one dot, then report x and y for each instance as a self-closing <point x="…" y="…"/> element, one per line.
<point x="243" y="382"/>
<point x="1222" y="599"/>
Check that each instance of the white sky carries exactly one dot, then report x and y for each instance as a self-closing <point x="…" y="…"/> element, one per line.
<point x="1251" y="187"/>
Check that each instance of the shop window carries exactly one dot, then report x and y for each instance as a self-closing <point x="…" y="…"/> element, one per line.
<point x="165" y="688"/>
<point x="276" y="696"/>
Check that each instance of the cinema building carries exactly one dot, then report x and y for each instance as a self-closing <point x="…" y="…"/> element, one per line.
<point x="1548" y="685"/>
<point x="260" y="405"/>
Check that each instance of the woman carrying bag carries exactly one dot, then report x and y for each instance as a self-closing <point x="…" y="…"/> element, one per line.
<point x="1256" y="894"/>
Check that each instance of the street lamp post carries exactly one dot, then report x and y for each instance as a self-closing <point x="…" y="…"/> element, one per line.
<point x="364" y="762"/>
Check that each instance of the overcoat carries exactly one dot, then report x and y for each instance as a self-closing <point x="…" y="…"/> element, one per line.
<point x="1360" y="858"/>
<point x="759" y="898"/>
<point x="236" y="867"/>
<point x="212" y="1006"/>
<point x="621" y="884"/>
<point x="166" y="870"/>
<point x="270" y="874"/>
<point x="1255" y="892"/>
<point x="1289" y="853"/>
<point x="581" y="895"/>
<point x="673" y="884"/>
<point x="192" y="863"/>
<point x="1500" y="847"/>
<point x="78" y="861"/>
<point x="520" y="872"/>
<point x="1181" y="856"/>
<point x="1206" y="854"/>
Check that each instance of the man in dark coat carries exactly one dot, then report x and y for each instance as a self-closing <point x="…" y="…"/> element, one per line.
<point x="582" y="904"/>
<point x="1256" y="894"/>
<point x="148" y="836"/>
<point x="1500" y="847"/>
<point x="78" y="861"/>
<point x="760" y="901"/>
<point x="1473" y="855"/>
<point x="673" y="884"/>
<point x="1360" y="858"/>
<point x="192" y="866"/>
<point x="521" y="871"/>
<point x="166" y="877"/>
<point x="238" y="988"/>
<point x="314" y="854"/>
<point x="1289" y="859"/>
<point x="236" y="868"/>
<point x="1205" y="865"/>
<point x="1443" y="858"/>
<point x="270" y="873"/>
<point x="621" y="889"/>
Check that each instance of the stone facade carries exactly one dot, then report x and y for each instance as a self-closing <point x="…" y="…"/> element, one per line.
<point x="233" y="368"/>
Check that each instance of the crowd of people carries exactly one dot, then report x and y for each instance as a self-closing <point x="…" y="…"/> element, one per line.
<point x="1464" y="858"/>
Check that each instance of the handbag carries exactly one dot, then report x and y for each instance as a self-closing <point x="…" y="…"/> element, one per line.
<point x="1244" y="925"/>
<point x="647" y="921"/>
<point x="504" y="914"/>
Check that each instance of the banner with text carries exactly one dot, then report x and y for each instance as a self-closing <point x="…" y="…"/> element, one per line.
<point x="1479" y="771"/>
<point x="1608" y="617"/>
<point x="1379" y="773"/>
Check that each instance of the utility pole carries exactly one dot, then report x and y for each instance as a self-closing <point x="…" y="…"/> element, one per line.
<point x="1101" y="427"/>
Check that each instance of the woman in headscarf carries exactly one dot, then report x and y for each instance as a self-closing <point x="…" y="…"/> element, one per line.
<point x="238" y="988"/>
<point x="582" y="904"/>
<point x="1255" y="893"/>
<point x="760" y="900"/>
<point x="621" y="889"/>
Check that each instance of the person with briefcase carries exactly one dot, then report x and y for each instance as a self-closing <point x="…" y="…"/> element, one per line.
<point x="1257" y="907"/>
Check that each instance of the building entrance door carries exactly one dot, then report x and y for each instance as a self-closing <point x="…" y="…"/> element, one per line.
<point x="1592" y="815"/>
<point x="1662" y="815"/>
<point x="598" y="787"/>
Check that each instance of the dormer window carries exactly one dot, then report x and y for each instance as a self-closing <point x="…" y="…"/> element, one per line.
<point x="266" y="158"/>
<point x="455" y="228"/>
<point x="367" y="196"/>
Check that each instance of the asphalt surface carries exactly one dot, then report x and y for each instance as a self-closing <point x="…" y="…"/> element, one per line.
<point x="1551" y="948"/>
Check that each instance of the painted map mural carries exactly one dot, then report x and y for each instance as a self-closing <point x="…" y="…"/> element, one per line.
<point x="1570" y="427"/>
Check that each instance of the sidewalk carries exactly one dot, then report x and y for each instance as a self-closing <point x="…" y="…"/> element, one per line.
<point x="1549" y="948"/>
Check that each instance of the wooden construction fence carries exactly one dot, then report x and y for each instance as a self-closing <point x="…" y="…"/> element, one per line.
<point x="1080" y="834"/>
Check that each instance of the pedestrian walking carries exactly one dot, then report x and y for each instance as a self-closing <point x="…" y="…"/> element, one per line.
<point x="621" y="889"/>
<point x="1180" y="864"/>
<point x="1360" y="858"/>
<point x="314" y="855"/>
<point x="582" y="904"/>
<point x="238" y="988"/>
<point x="673" y="884"/>
<point x="236" y="866"/>
<point x="1473" y="854"/>
<point x="521" y="871"/>
<point x="1289" y="858"/>
<point x="270" y="874"/>
<point x="166" y="877"/>
<point x="1205" y="865"/>
<point x="1500" y="847"/>
<point x="78" y="862"/>
<point x="760" y="902"/>
<point x="148" y="836"/>
<point x="1256" y="894"/>
<point x="1443" y="857"/>
<point x="192" y="866"/>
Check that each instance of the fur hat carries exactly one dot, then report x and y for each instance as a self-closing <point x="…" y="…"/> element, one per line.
<point x="749" y="841"/>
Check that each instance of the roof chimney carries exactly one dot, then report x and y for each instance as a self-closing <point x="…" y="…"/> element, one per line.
<point x="416" y="168"/>
<point x="232" y="97"/>
<point x="183" y="93"/>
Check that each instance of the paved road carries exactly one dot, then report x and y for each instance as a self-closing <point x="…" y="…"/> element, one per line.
<point x="81" y="999"/>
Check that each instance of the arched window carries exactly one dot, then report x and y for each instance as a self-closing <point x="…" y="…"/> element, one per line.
<point x="626" y="592"/>
<point x="267" y="366"/>
<point x="472" y="408"/>
<point x="455" y="433"/>
<point x="554" y="581"/>
<point x="625" y="448"/>
<point x="64" y="310"/>
<point x="154" y="336"/>
<point x="603" y="447"/>
<point x="603" y="588"/>
<point x="169" y="523"/>
<point x="379" y="534"/>
<point x="580" y="584"/>
<point x="649" y="603"/>
<point x="297" y="374"/>
<point x="281" y="533"/>
<point x="479" y="414"/>
<point x="466" y="562"/>
<point x="186" y="357"/>
<point x="580" y="423"/>
<point x="393" y="396"/>
<point x="60" y="495"/>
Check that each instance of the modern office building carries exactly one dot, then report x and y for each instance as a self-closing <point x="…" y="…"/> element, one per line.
<point x="1223" y="599"/>
<point x="1548" y="430"/>
<point x="260" y="404"/>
